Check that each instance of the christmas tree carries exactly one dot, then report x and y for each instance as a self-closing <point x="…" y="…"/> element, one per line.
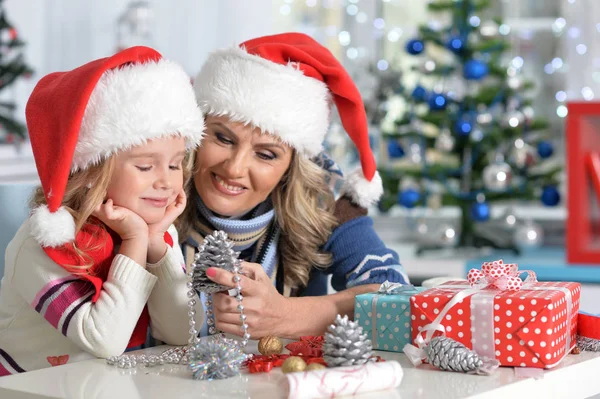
<point x="468" y="135"/>
<point x="12" y="67"/>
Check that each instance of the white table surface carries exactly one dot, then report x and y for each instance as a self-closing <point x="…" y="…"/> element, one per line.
<point x="577" y="377"/>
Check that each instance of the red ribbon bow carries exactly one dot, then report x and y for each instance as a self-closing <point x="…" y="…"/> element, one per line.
<point x="499" y="275"/>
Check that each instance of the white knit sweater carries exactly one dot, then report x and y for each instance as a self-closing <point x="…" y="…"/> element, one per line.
<point x="47" y="317"/>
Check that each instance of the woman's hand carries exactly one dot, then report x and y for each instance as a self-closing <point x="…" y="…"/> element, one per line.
<point x="156" y="231"/>
<point x="267" y="312"/>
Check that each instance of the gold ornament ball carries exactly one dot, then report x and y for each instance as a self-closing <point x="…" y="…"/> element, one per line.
<point x="293" y="364"/>
<point x="270" y="345"/>
<point x="314" y="366"/>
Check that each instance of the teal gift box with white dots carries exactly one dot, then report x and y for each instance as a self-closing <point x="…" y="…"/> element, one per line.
<point x="386" y="318"/>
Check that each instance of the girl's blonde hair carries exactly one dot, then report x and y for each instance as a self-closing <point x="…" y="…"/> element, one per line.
<point x="304" y="206"/>
<point x="85" y="190"/>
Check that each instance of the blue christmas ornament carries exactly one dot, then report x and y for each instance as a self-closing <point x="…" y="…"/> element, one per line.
<point x="409" y="198"/>
<point x="438" y="102"/>
<point x="480" y="211"/>
<point x="395" y="150"/>
<point x="456" y="44"/>
<point x="475" y="70"/>
<point x="464" y="126"/>
<point x="545" y="149"/>
<point x="415" y="46"/>
<point x="419" y="93"/>
<point x="550" y="196"/>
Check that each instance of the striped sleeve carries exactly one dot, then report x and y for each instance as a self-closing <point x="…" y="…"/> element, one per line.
<point x="102" y="328"/>
<point x="168" y="303"/>
<point x="8" y="365"/>
<point x="60" y="299"/>
<point x="360" y="257"/>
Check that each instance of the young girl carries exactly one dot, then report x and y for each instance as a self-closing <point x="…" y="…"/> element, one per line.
<point x="95" y="264"/>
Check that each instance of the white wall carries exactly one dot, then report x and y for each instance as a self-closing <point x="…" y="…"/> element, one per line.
<point x="63" y="34"/>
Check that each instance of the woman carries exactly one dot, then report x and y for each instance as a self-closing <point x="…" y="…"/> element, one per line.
<point x="260" y="176"/>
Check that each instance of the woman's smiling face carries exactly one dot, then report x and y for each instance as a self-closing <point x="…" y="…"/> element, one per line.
<point x="238" y="166"/>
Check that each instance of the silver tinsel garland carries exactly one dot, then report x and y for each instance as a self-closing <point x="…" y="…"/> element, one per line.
<point x="450" y="355"/>
<point x="345" y="344"/>
<point x="216" y="358"/>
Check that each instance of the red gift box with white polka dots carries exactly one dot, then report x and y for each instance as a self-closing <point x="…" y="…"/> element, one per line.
<point x="533" y="327"/>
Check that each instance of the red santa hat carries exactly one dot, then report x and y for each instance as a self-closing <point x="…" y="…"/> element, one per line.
<point x="284" y="84"/>
<point x="78" y="118"/>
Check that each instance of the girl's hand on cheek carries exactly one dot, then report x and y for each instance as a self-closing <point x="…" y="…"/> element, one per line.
<point x="172" y="212"/>
<point x="127" y="224"/>
<point x="156" y="231"/>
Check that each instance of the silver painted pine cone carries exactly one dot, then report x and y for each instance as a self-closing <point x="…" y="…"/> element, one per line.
<point x="215" y="251"/>
<point x="450" y="355"/>
<point x="345" y="344"/>
<point x="588" y="344"/>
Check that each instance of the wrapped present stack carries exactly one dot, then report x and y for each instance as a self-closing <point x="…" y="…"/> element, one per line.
<point x="498" y="315"/>
<point x="385" y="315"/>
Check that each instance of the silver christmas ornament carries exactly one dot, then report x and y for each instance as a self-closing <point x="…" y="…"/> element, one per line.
<point x="528" y="113"/>
<point x="415" y="153"/>
<point x="476" y="134"/>
<point x="445" y="141"/>
<point x="450" y="355"/>
<point x="509" y="219"/>
<point x="489" y="29"/>
<point x="513" y="119"/>
<point x="522" y="155"/>
<point x="216" y="358"/>
<point x="408" y="183"/>
<point x="346" y="344"/>
<point x="427" y="68"/>
<point x="497" y="176"/>
<point x="447" y="236"/>
<point x="422" y="229"/>
<point x="484" y="118"/>
<point x="515" y="82"/>
<point x="529" y="235"/>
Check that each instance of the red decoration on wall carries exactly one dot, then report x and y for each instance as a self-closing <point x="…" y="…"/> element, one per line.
<point x="583" y="167"/>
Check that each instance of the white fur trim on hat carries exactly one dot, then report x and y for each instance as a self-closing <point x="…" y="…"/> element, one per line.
<point x="361" y="191"/>
<point x="52" y="229"/>
<point x="136" y="103"/>
<point x="278" y="99"/>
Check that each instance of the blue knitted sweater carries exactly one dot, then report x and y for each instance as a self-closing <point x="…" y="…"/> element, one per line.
<point x="359" y="257"/>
